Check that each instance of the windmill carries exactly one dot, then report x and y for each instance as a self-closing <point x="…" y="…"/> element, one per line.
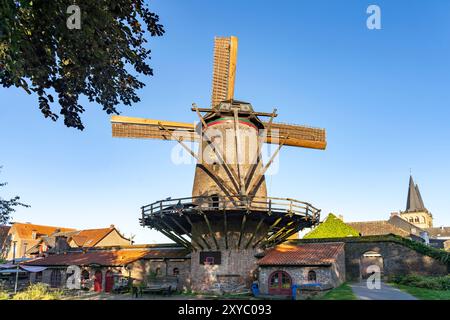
<point x="229" y="213"/>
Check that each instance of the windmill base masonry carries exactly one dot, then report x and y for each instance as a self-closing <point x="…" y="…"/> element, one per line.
<point x="229" y="219"/>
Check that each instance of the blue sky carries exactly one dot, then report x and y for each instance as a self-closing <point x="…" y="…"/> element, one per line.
<point x="383" y="96"/>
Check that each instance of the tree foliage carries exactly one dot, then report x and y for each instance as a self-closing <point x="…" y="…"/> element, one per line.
<point x="7" y="207"/>
<point x="101" y="60"/>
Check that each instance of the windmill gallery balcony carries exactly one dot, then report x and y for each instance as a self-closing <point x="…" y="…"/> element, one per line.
<point x="227" y="222"/>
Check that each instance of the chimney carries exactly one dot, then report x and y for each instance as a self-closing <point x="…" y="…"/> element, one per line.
<point x="61" y="244"/>
<point x="112" y="226"/>
<point x="393" y="214"/>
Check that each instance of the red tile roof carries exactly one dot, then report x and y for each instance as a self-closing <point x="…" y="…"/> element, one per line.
<point x="375" y="228"/>
<point x="103" y="258"/>
<point x="90" y="237"/>
<point x="25" y="230"/>
<point x="303" y="254"/>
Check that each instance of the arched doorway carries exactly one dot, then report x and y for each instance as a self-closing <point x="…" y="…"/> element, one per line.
<point x="98" y="281"/>
<point x="370" y="261"/>
<point x="280" y="283"/>
<point x="109" y="281"/>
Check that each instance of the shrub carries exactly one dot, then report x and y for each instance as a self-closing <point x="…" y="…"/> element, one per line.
<point x="434" y="283"/>
<point x="38" y="291"/>
<point x="4" y="295"/>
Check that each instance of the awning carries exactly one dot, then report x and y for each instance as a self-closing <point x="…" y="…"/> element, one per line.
<point x="33" y="269"/>
<point x="11" y="268"/>
<point x="11" y="271"/>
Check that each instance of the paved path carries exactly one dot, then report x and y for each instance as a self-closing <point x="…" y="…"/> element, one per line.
<point x="386" y="292"/>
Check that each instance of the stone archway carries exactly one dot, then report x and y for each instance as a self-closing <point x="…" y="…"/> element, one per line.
<point x="368" y="260"/>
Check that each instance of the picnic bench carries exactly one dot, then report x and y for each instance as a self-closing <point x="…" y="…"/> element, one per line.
<point x="164" y="285"/>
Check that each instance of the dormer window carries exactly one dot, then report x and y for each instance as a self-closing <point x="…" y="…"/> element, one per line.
<point x="34" y="235"/>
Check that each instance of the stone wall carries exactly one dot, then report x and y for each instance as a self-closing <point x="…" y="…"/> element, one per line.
<point x="235" y="273"/>
<point x="397" y="260"/>
<point x="142" y="269"/>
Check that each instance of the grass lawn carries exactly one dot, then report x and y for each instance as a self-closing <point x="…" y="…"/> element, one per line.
<point x="424" y="294"/>
<point x="344" y="292"/>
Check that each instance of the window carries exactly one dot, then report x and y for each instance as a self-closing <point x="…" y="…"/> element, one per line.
<point x="215" y="201"/>
<point x="158" y="271"/>
<point x="411" y="219"/>
<point x="176" y="271"/>
<point x="285" y="281"/>
<point x="55" y="278"/>
<point x="210" y="257"/>
<point x="417" y="219"/>
<point x="312" y="277"/>
<point x="38" y="277"/>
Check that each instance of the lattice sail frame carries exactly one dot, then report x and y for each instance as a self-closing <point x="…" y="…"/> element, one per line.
<point x="224" y="69"/>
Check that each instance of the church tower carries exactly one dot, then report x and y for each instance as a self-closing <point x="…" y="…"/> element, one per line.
<point x="415" y="212"/>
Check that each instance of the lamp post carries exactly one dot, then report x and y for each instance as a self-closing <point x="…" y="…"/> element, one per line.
<point x="17" y="267"/>
<point x="14" y="252"/>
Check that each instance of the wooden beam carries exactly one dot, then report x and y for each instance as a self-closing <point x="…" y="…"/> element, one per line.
<point x="261" y="176"/>
<point x="171" y="236"/>
<point x="187" y="232"/>
<point x="220" y="182"/>
<point x="201" y="237"/>
<point x="276" y="234"/>
<point x="226" y="228"/>
<point x="244" y="220"/>
<point x="211" y="231"/>
<point x="251" y="113"/>
<point x="269" y="230"/>
<point x="174" y="232"/>
<point x="217" y="153"/>
<point x="237" y="140"/>
<point x="257" y="158"/>
<point x="180" y="142"/>
<point x="256" y="231"/>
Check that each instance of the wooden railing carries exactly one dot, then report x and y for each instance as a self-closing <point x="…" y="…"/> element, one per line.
<point x="209" y="203"/>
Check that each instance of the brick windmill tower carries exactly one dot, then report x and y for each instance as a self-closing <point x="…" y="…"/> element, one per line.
<point x="229" y="217"/>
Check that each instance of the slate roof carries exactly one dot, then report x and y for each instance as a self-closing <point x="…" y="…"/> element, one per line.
<point x="414" y="202"/>
<point x="302" y="254"/>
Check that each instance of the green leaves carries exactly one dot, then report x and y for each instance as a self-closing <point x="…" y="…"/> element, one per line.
<point x="332" y="227"/>
<point x="39" y="54"/>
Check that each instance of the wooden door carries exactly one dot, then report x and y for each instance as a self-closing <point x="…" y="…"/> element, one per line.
<point x="280" y="283"/>
<point x="98" y="281"/>
<point x="109" y="281"/>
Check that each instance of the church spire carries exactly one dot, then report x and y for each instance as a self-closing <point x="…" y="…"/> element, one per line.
<point x="414" y="202"/>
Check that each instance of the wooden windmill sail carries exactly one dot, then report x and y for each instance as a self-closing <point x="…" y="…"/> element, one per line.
<point x="229" y="174"/>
